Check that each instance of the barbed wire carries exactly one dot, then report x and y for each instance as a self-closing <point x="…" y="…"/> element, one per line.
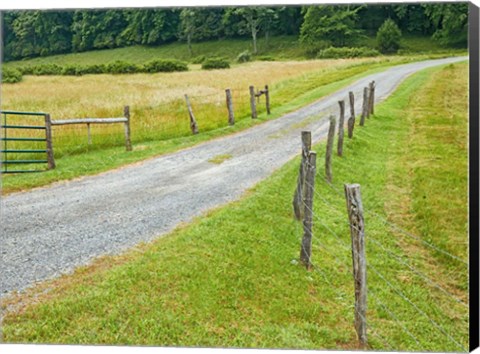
<point x="434" y="323"/>
<point x="419" y="273"/>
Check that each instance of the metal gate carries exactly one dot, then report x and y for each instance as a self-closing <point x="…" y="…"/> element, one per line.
<point x="17" y="139"/>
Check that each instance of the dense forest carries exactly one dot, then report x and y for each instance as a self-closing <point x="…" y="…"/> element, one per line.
<point x="28" y="34"/>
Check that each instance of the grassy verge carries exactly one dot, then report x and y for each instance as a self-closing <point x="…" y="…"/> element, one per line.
<point x="162" y="127"/>
<point x="232" y="277"/>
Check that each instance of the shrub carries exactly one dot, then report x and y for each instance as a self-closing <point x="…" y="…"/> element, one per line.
<point x="122" y="67"/>
<point x="199" y="60"/>
<point x="10" y="76"/>
<point x="344" y="52"/>
<point x="71" y="70"/>
<point x="215" y="63"/>
<point x="165" y="65"/>
<point x="312" y="50"/>
<point x="91" y="69"/>
<point x="388" y="37"/>
<point x="243" y="57"/>
<point x="47" y="69"/>
<point x="26" y="70"/>
<point x="266" y="58"/>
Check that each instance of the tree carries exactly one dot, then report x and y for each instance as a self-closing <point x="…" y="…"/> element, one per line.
<point x="450" y="21"/>
<point x="329" y="24"/>
<point x="188" y="26"/>
<point x="252" y="19"/>
<point x="388" y="37"/>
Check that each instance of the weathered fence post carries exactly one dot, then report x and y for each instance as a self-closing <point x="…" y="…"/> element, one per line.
<point x="89" y="134"/>
<point x="306" y="248"/>
<point x="253" y="105"/>
<point x="340" y="128"/>
<point x="365" y="106"/>
<point x="128" y="143"/>
<point x="193" y="122"/>
<point x="357" y="232"/>
<point x="351" y="120"/>
<point x="267" y="99"/>
<point x="371" y="98"/>
<point x="49" y="143"/>
<point x="298" y="196"/>
<point x="231" y="117"/>
<point x="328" y="155"/>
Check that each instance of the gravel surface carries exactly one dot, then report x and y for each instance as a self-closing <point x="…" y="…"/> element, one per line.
<point x="52" y="230"/>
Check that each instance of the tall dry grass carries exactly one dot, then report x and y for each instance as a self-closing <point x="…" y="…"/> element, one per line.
<point x="156" y="101"/>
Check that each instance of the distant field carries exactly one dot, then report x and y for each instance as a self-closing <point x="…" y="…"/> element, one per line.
<point x="158" y="109"/>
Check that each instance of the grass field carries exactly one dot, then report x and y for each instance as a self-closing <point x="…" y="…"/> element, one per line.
<point x="159" y="117"/>
<point x="279" y="48"/>
<point x="232" y="277"/>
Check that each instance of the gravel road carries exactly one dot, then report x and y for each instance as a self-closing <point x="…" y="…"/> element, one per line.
<point x="50" y="231"/>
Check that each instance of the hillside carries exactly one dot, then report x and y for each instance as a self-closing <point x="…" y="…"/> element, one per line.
<point x="279" y="48"/>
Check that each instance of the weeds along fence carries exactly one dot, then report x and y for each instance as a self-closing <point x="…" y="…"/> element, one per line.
<point x="396" y="301"/>
<point x="167" y="120"/>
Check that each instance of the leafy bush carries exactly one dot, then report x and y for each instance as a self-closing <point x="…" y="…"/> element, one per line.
<point x="10" y="76"/>
<point x="92" y="69"/>
<point x="26" y="70"/>
<point x="71" y="70"/>
<point x="388" y="37"/>
<point x="312" y="49"/>
<point x="345" y="52"/>
<point x="215" y="63"/>
<point x="122" y="67"/>
<point x="266" y="58"/>
<point x="199" y="60"/>
<point x="47" y="69"/>
<point x="165" y="65"/>
<point x="243" y="57"/>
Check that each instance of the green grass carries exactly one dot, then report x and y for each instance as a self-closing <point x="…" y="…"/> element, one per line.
<point x="74" y="157"/>
<point x="232" y="279"/>
<point x="279" y="48"/>
<point x="286" y="47"/>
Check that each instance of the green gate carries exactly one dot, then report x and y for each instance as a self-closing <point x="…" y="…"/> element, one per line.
<point x="16" y="138"/>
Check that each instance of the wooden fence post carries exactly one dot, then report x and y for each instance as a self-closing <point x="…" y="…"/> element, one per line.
<point x="253" y="105"/>
<point x="231" y="117"/>
<point x="89" y="134"/>
<point x="328" y="155"/>
<point x="371" y="98"/>
<point x="128" y="142"/>
<point x="340" y="128"/>
<point x="193" y="122"/>
<point x="351" y="120"/>
<point x="299" y="191"/>
<point x="306" y="248"/>
<point x="365" y="106"/>
<point x="48" y="137"/>
<point x="267" y="99"/>
<point x="357" y="232"/>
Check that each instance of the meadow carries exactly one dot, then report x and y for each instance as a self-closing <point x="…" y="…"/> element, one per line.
<point x="232" y="278"/>
<point x="158" y="111"/>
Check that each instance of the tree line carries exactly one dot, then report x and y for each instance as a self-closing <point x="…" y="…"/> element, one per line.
<point x="28" y="34"/>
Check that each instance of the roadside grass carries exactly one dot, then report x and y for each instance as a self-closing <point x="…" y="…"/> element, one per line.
<point x="232" y="279"/>
<point x="159" y="117"/>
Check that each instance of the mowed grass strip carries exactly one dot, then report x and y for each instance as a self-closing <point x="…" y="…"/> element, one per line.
<point x="232" y="278"/>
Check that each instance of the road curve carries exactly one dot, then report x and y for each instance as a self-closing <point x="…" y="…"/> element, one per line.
<point x="49" y="231"/>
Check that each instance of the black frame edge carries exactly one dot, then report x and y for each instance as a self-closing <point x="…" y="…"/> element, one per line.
<point x="473" y="45"/>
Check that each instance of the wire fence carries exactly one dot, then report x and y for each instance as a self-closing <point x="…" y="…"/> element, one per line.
<point x="401" y="286"/>
<point x="163" y="121"/>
